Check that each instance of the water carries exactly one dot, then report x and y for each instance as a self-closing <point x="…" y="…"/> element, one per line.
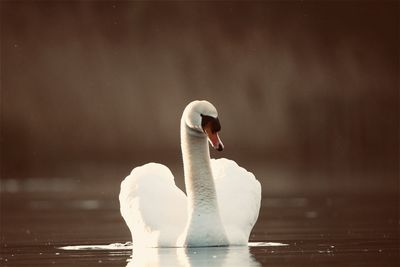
<point x="39" y="219"/>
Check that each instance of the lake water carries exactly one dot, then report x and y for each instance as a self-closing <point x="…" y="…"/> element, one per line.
<point x="40" y="216"/>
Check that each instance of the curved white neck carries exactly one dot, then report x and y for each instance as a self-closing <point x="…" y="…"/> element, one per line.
<point x="204" y="226"/>
<point x="199" y="181"/>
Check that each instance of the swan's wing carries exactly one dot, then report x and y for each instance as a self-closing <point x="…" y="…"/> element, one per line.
<point x="239" y="198"/>
<point x="152" y="206"/>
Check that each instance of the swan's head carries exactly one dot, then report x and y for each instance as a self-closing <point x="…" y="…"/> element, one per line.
<point x="202" y="118"/>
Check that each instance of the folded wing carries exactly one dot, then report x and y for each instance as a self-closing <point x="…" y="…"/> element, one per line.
<point x="152" y="206"/>
<point x="239" y="198"/>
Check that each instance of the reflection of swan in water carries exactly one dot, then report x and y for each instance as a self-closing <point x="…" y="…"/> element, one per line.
<point x="202" y="256"/>
<point x="222" y="202"/>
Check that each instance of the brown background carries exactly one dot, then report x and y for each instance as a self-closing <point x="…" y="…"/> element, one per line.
<point x="302" y="86"/>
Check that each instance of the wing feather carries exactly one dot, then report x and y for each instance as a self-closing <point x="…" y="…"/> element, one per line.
<point x="239" y="199"/>
<point x="152" y="206"/>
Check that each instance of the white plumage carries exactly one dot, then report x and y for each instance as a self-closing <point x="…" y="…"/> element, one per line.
<point x="239" y="198"/>
<point x="152" y="206"/>
<point x="223" y="199"/>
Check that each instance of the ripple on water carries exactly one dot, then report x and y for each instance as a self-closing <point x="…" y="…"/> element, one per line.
<point x="129" y="246"/>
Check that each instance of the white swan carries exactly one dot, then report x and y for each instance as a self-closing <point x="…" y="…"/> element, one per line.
<point x="222" y="202"/>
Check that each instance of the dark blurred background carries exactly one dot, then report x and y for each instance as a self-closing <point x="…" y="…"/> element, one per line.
<point x="307" y="92"/>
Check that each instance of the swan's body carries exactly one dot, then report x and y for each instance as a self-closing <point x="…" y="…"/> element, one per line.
<point x="222" y="202"/>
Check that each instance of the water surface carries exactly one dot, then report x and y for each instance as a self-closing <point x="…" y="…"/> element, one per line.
<point x="328" y="230"/>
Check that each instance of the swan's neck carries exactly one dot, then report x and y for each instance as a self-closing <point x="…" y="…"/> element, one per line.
<point x="204" y="218"/>
<point x="199" y="181"/>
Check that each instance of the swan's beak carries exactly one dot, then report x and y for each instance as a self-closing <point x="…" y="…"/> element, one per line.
<point x="215" y="141"/>
<point x="211" y="127"/>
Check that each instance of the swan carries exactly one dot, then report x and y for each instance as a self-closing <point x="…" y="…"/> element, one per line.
<point x="222" y="202"/>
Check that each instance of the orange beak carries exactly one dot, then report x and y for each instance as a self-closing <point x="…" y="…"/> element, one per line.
<point x="214" y="139"/>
